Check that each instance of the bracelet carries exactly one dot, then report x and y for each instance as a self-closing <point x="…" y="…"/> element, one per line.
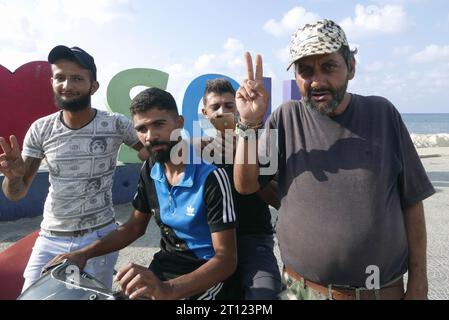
<point x="243" y="126"/>
<point x="247" y="132"/>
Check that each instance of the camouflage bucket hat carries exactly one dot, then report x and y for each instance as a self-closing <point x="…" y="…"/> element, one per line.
<point x="323" y="36"/>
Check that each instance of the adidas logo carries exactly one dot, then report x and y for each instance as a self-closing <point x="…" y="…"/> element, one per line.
<point x="190" y="211"/>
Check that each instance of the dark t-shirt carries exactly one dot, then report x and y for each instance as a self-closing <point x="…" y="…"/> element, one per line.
<point x="253" y="214"/>
<point x="344" y="182"/>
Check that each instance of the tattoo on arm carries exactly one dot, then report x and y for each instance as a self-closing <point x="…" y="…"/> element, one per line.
<point x="17" y="188"/>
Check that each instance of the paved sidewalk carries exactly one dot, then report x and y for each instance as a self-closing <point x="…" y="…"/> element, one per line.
<point x="437" y="219"/>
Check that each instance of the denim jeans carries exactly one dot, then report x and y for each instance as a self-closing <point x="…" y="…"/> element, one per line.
<point x="257" y="267"/>
<point x="47" y="247"/>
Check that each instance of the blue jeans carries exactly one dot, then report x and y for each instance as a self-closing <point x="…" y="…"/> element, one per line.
<point x="47" y="247"/>
<point x="257" y="267"/>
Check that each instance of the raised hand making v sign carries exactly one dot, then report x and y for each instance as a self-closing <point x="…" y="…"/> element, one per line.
<point x="11" y="162"/>
<point x="251" y="97"/>
<point x="19" y="172"/>
<point x="252" y="103"/>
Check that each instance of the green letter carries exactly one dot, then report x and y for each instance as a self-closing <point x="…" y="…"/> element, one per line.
<point x="118" y="100"/>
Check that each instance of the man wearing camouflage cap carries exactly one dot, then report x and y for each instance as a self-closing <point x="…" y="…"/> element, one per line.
<point x="351" y="221"/>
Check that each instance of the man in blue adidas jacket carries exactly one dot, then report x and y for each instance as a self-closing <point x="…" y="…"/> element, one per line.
<point x="192" y="204"/>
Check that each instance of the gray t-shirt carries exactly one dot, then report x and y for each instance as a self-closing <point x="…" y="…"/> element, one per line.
<point x="344" y="182"/>
<point x="81" y="166"/>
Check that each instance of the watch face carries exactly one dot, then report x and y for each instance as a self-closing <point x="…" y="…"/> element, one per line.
<point x="242" y="126"/>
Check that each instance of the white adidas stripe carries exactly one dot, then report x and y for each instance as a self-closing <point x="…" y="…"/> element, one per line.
<point x="225" y="177"/>
<point x="228" y="204"/>
<point x="224" y="194"/>
<point x="211" y="293"/>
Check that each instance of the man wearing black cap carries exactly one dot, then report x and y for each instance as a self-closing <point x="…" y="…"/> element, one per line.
<point x="351" y="221"/>
<point x="79" y="144"/>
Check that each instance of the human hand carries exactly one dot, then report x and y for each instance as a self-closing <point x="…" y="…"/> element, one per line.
<point x="139" y="282"/>
<point x="77" y="257"/>
<point x="11" y="162"/>
<point x="143" y="154"/>
<point x="252" y="98"/>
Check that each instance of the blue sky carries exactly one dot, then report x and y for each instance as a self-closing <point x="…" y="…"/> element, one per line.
<point x="403" y="45"/>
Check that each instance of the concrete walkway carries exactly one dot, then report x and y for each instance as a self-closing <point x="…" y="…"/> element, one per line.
<point x="437" y="219"/>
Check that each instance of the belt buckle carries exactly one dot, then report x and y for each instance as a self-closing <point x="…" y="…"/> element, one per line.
<point x="345" y="287"/>
<point x="357" y="291"/>
<point x="350" y="291"/>
<point x="81" y="233"/>
<point x="78" y="233"/>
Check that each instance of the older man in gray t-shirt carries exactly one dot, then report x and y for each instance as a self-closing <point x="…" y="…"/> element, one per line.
<point x="351" y="220"/>
<point x="343" y="189"/>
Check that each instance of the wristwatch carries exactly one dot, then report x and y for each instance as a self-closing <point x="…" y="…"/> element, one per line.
<point x="246" y="131"/>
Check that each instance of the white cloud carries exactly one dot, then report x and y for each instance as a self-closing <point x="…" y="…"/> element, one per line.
<point x="376" y="67"/>
<point x="205" y="61"/>
<point x="12" y="59"/>
<point x="228" y="61"/>
<point x="402" y="51"/>
<point x="30" y="28"/>
<point x="397" y="1"/>
<point x="16" y="28"/>
<point x="97" y="12"/>
<point x="290" y="22"/>
<point x="432" y="53"/>
<point x="405" y="85"/>
<point x="233" y="45"/>
<point x="369" y="20"/>
<point x="175" y="68"/>
<point x="427" y="84"/>
<point x="236" y="63"/>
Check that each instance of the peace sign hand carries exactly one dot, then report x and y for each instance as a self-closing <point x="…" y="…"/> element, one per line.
<point x="251" y="97"/>
<point x="11" y="162"/>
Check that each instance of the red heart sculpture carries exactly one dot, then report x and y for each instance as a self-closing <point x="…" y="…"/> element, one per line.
<point x="25" y="96"/>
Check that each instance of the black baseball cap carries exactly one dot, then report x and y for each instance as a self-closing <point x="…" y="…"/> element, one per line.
<point x="83" y="58"/>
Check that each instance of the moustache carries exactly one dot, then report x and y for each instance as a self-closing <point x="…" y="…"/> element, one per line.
<point x="321" y="90"/>
<point x="152" y="144"/>
<point x="68" y="92"/>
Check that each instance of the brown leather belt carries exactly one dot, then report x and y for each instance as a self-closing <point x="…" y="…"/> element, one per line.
<point x="78" y="233"/>
<point x="394" y="291"/>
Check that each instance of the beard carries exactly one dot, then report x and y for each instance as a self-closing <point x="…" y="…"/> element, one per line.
<point x="163" y="155"/>
<point x="76" y="104"/>
<point x="326" y="108"/>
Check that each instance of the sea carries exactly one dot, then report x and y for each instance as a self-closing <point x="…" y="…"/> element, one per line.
<point x="428" y="130"/>
<point x="426" y="123"/>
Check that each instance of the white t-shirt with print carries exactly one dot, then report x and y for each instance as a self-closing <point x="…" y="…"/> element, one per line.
<point x="81" y="166"/>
